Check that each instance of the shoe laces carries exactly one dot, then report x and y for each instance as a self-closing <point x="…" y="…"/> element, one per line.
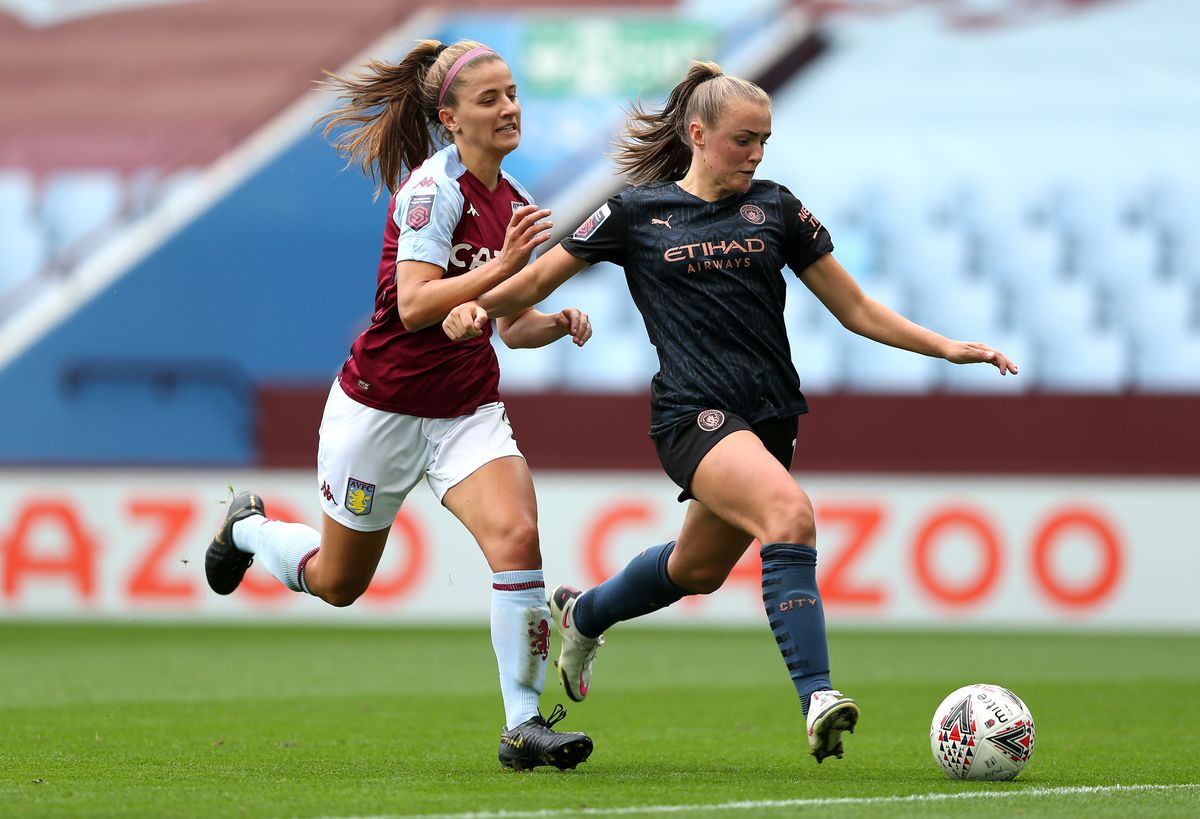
<point x="591" y="654"/>
<point x="556" y="715"/>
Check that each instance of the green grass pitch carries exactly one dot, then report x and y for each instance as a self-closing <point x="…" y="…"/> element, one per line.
<point x="185" y="720"/>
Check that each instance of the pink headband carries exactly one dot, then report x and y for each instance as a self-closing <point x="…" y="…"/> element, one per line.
<point x="458" y="66"/>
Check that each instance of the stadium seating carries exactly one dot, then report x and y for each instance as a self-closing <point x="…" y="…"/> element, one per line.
<point x="1082" y="267"/>
<point x="76" y="205"/>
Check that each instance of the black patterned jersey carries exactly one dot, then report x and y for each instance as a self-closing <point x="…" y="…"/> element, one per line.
<point x="707" y="278"/>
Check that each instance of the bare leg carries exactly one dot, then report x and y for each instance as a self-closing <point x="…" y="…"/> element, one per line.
<point x="342" y="568"/>
<point x="497" y="505"/>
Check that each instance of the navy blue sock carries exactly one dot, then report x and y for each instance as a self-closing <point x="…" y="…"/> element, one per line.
<point x="794" y="611"/>
<point x="641" y="587"/>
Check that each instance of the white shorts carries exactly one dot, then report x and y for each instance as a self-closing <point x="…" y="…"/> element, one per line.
<point x="369" y="460"/>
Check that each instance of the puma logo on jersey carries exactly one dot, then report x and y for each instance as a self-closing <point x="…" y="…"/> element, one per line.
<point x="664" y="222"/>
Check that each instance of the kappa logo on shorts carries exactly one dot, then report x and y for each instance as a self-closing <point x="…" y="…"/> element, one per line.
<point x="591" y="223"/>
<point x="419" y="211"/>
<point x="753" y="214"/>
<point x="359" y="496"/>
<point x="710" y="420"/>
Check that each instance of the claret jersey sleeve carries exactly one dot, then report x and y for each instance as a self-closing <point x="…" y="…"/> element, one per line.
<point x="601" y="237"/>
<point x="805" y="238"/>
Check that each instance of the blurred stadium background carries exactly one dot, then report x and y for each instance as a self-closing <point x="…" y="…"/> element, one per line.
<point x="184" y="263"/>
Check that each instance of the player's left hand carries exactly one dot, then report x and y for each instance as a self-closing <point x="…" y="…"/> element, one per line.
<point x="465" y="321"/>
<point x="972" y="352"/>
<point x="576" y="324"/>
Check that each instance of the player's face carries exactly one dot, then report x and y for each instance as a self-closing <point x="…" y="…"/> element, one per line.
<point x="733" y="149"/>
<point x="487" y="115"/>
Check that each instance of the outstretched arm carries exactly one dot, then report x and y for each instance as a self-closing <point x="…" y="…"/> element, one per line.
<point x="861" y="314"/>
<point x="532" y="284"/>
<point x="424" y="295"/>
<point x="533" y="328"/>
<point x="525" y="289"/>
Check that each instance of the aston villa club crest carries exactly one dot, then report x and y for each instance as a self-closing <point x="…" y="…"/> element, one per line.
<point x="539" y="639"/>
<point x="359" y="495"/>
<point x="419" y="211"/>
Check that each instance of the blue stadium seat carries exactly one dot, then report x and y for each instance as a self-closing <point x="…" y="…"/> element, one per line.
<point x="967" y="309"/>
<point x="1084" y="360"/>
<point x="1054" y="305"/>
<point x="1183" y="254"/>
<point x="24" y="254"/>
<point x="984" y="378"/>
<point x="612" y="362"/>
<point x="1168" y="362"/>
<point x="77" y="204"/>
<point x="529" y="370"/>
<point x="1120" y="258"/>
<point x="876" y="368"/>
<point x="1020" y="251"/>
<point x="857" y="249"/>
<point x="1157" y="308"/>
<point x="929" y="257"/>
<point x="819" y="358"/>
<point x="16" y="196"/>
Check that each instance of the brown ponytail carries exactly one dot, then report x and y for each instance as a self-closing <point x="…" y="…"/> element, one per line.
<point x="658" y="146"/>
<point x="392" y="110"/>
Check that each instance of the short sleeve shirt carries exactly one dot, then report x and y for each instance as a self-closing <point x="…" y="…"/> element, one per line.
<point x="442" y="215"/>
<point x="707" y="279"/>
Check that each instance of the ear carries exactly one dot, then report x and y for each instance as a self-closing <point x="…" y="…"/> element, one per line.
<point x="446" y="117"/>
<point x="696" y="132"/>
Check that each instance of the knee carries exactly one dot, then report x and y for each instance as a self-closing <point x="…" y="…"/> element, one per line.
<point x="342" y="594"/>
<point x="702" y="580"/>
<point x="698" y="577"/>
<point x="790" y="519"/>
<point x="515" y="546"/>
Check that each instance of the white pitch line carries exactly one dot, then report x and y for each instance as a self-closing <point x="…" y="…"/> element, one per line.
<point x="788" y="803"/>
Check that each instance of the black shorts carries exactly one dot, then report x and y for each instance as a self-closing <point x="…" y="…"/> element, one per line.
<point x="683" y="446"/>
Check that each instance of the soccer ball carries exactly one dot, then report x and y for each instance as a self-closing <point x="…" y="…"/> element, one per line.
<point x="982" y="732"/>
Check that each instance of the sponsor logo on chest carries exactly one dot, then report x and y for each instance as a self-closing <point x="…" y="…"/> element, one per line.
<point x="472" y="237"/>
<point x="466" y="256"/>
<point x="718" y="254"/>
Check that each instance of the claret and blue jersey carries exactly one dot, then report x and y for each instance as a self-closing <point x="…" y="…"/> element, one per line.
<point x="707" y="279"/>
<point x="445" y="216"/>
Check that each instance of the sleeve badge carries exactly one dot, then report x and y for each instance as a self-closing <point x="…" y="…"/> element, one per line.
<point x="419" y="211"/>
<point x="593" y="222"/>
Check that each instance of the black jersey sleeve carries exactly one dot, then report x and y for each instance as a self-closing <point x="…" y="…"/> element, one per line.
<point x="601" y="237"/>
<point x="806" y="239"/>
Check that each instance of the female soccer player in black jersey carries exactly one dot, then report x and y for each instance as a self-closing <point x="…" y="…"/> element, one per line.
<point x="703" y="244"/>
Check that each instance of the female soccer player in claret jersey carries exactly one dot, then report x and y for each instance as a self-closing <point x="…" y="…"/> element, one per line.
<point x="703" y="244"/>
<point x="408" y="403"/>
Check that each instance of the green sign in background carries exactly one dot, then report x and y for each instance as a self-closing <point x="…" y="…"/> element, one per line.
<point x="599" y="57"/>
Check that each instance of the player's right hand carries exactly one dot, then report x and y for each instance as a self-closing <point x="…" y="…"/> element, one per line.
<point x="972" y="352"/>
<point x="465" y="321"/>
<point x="524" y="233"/>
